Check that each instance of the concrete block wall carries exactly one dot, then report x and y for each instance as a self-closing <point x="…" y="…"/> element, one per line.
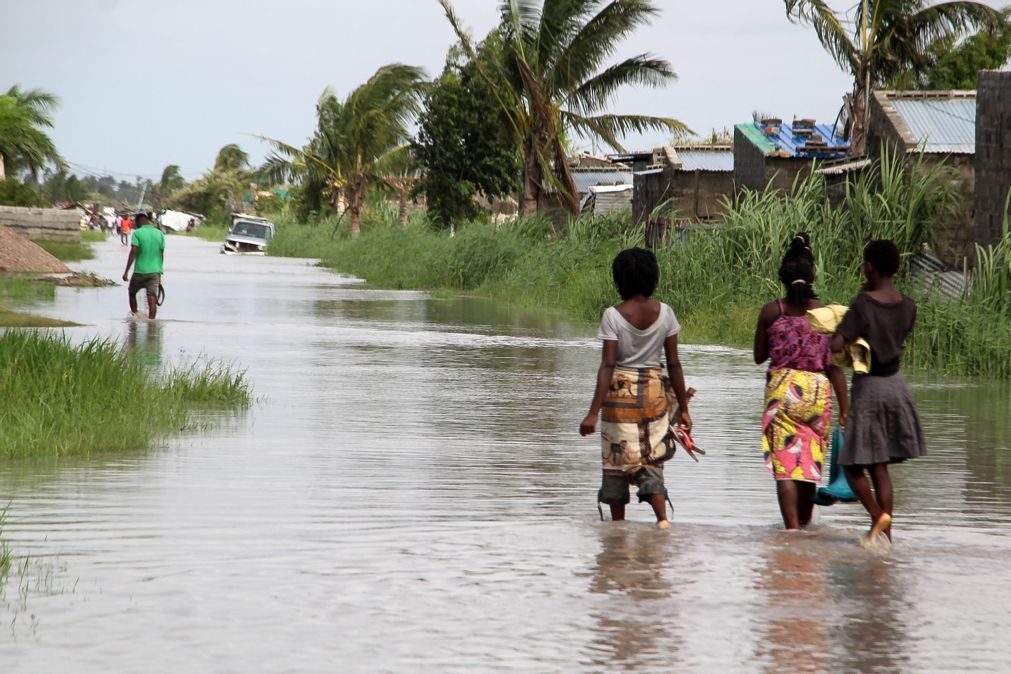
<point x="696" y="195"/>
<point x="749" y="164"/>
<point x="42" y="224"/>
<point x="993" y="154"/>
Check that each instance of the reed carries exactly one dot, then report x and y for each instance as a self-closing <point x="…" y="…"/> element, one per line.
<point x="715" y="278"/>
<point x="60" y="398"/>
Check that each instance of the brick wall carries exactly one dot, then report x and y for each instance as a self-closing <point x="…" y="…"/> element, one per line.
<point x="954" y="242"/>
<point x="697" y="195"/>
<point x="993" y="154"/>
<point x="42" y="224"/>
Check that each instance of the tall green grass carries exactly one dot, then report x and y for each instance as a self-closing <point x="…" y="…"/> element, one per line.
<point x="58" y="398"/>
<point x="68" y="251"/>
<point x="715" y="278"/>
<point x="209" y="231"/>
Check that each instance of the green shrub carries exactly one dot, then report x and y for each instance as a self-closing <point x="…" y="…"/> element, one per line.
<point x="60" y="398"/>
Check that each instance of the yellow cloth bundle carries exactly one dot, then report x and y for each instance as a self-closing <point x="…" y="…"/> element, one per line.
<point x="826" y="320"/>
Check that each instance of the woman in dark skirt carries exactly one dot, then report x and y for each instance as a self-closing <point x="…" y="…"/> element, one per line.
<point x="883" y="426"/>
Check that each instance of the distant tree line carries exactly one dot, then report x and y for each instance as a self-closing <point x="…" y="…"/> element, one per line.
<point x="500" y="119"/>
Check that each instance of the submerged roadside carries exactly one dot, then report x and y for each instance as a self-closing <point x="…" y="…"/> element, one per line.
<point x="715" y="280"/>
<point x="62" y="399"/>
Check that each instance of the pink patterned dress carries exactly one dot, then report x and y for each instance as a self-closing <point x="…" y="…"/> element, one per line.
<point x="798" y="400"/>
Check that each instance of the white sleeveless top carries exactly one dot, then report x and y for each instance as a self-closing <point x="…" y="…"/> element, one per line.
<point x="639" y="348"/>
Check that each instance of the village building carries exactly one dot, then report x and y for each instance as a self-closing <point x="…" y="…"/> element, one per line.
<point x="992" y="161"/>
<point x="933" y="129"/>
<point x="683" y="183"/>
<point x="593" y="176"/>
<point x="771" y="153"/>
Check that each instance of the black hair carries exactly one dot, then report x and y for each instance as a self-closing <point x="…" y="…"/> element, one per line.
<point x="635" y="272"/>
<point x="796" y="271"/>
<point x="884" y="256"/>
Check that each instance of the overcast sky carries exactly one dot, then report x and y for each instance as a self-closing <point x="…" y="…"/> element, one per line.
<point x="146" y="83"/>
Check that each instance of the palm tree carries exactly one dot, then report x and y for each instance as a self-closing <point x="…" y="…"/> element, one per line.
<point x="889" y="37"/>
<point x="359" y="141"/>
<point x="23" y="143"/>
<point x="171" y="181"/>
<point x="231" y="158"/>
<point x="554" y="81"/>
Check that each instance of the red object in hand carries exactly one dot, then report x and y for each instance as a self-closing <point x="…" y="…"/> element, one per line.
<point x="684" y="438"/>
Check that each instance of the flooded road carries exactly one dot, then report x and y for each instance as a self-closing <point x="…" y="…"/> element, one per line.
<point x="409" y="493"/>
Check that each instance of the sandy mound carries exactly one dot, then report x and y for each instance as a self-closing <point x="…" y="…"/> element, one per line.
<point x="18" y="254"/>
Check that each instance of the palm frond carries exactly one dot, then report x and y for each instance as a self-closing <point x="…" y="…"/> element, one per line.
<point x="597" y="40"/>
<point x="596" y="93"/>
<point x="560" y="22"/>
<point x="611" y="128"/>
<point x="520" y="19"/>
<point x="506" y="96"/>
<point x="829" y="29"/>
<point x="905" y="38"/>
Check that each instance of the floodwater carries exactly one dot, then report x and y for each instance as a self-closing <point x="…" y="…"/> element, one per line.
<point x="409" y="493"/>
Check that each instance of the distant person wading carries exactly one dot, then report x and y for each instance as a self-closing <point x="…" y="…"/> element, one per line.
<point x="148" y="251"/>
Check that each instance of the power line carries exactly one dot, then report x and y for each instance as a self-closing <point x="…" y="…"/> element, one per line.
<point x="104" y="172"/>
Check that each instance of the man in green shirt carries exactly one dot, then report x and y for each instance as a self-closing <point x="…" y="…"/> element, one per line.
<point x="148" y="250"/>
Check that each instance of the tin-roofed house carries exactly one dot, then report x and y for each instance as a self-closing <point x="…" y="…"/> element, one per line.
<point x="771" y="153"/>
<point x="589" y="172"/>
<point x="933" y="128"/>
<point x="686" y="183"/>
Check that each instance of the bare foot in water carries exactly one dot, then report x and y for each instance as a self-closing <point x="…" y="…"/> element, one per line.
<point x="882" y="525"/>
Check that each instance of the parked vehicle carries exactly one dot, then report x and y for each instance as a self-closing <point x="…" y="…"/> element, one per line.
<point x="249" y="235"/>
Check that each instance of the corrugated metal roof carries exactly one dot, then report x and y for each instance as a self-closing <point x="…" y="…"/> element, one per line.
<point x="586" y="179"/>
<point x="607" y="201"/>
<point x="940" y="124"/>
<point x="787" y="144"/>
<point x="706" y="160"/>
<point x="839" y="169"/>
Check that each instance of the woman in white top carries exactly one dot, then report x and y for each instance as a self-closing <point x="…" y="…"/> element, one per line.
<point x="634" y="400"/>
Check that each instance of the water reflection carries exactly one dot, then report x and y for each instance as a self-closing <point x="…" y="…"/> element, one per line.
<point x="633" y="621"/>
<point x="410" y="494"/>
<point x="796" y="628"/>
<point x="143" y="338"/>
<point x="868" y="590"/>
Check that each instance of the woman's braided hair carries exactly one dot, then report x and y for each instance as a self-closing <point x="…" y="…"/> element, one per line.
<point x="797" y="271"/>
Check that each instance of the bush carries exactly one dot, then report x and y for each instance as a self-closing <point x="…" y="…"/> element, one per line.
<point x="715" y="278"/>
<point x="16" y="193"/>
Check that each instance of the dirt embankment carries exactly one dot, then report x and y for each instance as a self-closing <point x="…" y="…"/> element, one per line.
<point x="19" y="255"/>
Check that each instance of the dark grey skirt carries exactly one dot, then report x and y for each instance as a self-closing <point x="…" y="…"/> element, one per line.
<point x="883" y="426"/>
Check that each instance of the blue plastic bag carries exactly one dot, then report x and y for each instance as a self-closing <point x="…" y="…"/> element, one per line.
<point x="838" y="489"/>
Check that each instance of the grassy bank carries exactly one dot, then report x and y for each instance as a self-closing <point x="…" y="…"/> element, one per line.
<point x="73" y="251"/>
<point x="62" y="399"/>
<point x="716" y="279"/>
<point x="209" y="231"/>
<point x="17" y="290"/>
